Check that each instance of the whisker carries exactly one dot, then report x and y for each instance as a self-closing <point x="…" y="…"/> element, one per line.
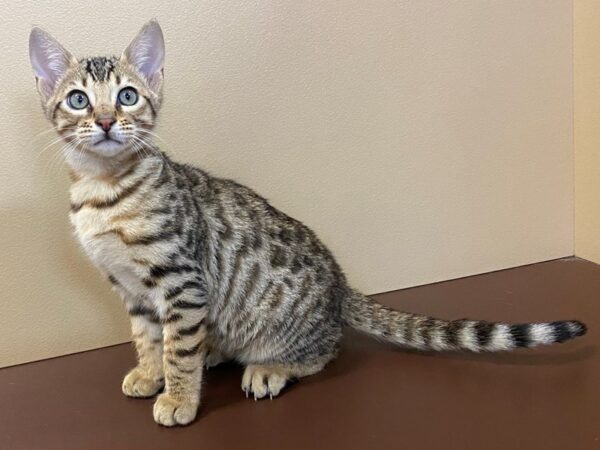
<point x="56" y="141"/>
<point x="42" y="133"/>
<point x="143" y="130"/>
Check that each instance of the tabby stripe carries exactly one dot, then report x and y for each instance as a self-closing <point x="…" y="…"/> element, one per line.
<point x="262" y="297"/>
<point x="190" y="284"/>
<point x="409" y="329"/>
<point x="163" y="177"/>
<point x="484" y="332"/>
<point x="139" y="310"/>
<point x="162" y="210"/>
<point x="174" y="363"/>
<point x="182" y="304"/>
<point x="184" y="352"/>
<point x="246" y="293"/>
<point x="277" y="298"/>
<point x="453" y="330"/>
<point x="55" y="110"/>
<point x="561" y="331"/>
<point x="303" y="293"/>
<point x="292" y="327"/>
<point x="252" y="280"/>
<point x="151" y="239"/>
<point x="426" y="328"/>
<point x="162" y="271"/>
<point x="136" y="240"/>
<point x="278" y="256"/>
<point x="172" y="318"/>
<point x="151" y="106"/>
<point x="173" y="292"/>
<point x="189" y="331"/>
<point x="102" y="204"/>
<point x="128" y="172"/>
<point x="520" y="335"/>
<point x="232" y="279"/>
<point x="149" y="282"/>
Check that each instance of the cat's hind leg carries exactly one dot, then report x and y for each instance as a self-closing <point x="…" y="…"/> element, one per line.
<point x="262" y="380"/>
<point x="214" y="357"/>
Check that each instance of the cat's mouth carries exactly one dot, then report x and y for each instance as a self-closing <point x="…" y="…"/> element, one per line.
<point x="108" y="146"/>
<point x="107" y="138"/>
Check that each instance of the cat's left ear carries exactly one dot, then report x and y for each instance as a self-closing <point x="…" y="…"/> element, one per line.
<point x="147" y="54"/>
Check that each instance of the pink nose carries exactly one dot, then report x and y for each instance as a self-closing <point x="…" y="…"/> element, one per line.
<point x="106" y="123"/>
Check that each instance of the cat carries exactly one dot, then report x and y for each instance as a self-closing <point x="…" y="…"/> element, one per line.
<point x="207" y="269"/>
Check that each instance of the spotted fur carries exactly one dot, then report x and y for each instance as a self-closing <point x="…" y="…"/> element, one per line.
<point x="207" y="269"/>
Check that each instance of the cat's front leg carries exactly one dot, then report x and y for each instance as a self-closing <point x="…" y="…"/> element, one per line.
<point x="147" y="378"/>
<point x="184" y="350"/>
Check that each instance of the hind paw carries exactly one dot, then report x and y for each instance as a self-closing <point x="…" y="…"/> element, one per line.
<point x="261" y="381"/>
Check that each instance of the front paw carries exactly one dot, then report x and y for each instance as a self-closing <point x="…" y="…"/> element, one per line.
<point x="170" y="411"/>
<point x="138" y="384"/>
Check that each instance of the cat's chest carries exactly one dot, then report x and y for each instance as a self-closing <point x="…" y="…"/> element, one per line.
<point x="108" y="230"/>
<point x="99" y="237"/>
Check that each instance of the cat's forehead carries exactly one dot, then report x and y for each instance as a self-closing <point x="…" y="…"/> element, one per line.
<point x="99" y="68"/>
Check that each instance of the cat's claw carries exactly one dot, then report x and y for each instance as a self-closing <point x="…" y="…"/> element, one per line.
<point x="262" y="381"/>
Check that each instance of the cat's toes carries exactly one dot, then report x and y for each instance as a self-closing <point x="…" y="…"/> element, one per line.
<point x="260" y="381"/>
<point x="137" y="384"/>
<point x="170" y="411"/>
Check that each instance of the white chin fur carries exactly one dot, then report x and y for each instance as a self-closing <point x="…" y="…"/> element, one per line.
<point x="107" y="148"/>
<point x="99" y="160"/>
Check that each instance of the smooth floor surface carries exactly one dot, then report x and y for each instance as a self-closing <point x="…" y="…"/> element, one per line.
<point x="372" y="397"/>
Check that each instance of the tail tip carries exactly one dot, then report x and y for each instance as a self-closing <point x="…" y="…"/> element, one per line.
<point x="577" y="328"/>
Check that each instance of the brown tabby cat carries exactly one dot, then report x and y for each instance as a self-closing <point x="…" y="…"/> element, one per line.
<point x="208" y="270"/>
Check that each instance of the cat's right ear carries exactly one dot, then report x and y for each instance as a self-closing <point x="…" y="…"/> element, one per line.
<point x="146" y="53"/>
<point x="49" y="59"/>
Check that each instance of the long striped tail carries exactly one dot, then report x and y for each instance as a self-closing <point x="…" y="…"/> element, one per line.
<point x="427" y="333"/>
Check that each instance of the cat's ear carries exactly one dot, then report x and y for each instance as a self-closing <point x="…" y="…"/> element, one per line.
<point x="49" y="59"/>
<point x="147" y="54"/>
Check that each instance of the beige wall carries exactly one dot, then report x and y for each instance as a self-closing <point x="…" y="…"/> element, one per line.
<point x="587" y="128"/>
<point x="423" y="140"/>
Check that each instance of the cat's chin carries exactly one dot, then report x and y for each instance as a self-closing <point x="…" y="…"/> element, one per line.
<point x="108" y="148"/>
<point x="99" y="160"/>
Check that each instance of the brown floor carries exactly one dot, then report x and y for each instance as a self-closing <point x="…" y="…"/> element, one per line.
<point x="372" y="397"/>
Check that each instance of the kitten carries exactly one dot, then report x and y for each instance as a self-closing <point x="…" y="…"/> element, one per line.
<point x="207" y="269"/>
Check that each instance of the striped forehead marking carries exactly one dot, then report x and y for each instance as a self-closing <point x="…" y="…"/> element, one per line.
<point x="100" y="67"/>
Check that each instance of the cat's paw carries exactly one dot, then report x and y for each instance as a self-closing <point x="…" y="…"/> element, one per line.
<point x="170" y="411"/>
<point x="261" y="381"/>
<point x="137" y="384"/>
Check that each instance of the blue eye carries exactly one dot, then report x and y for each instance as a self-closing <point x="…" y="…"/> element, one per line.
<point x="128" y="96"/>
<point x="78" y="100"/>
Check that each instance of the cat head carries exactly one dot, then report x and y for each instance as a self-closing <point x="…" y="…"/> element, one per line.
<point x="104" y="107"/>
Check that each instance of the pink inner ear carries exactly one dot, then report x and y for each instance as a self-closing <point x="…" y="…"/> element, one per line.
<point x="49" y="59"/>
<point x="147" y="51"/>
